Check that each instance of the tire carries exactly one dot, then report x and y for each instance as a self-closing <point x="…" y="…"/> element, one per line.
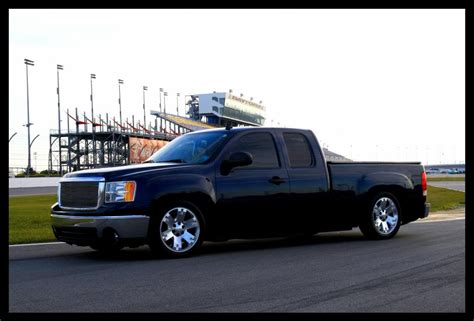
<point x="176" y="230"/>
<point x="382" y="218"/>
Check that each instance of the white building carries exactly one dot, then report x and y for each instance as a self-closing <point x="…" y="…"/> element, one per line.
<point x="224" y="108"/>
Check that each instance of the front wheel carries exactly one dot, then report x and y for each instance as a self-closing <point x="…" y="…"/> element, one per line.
<point x="177" y="230"/>
<point x="382" y="219"/>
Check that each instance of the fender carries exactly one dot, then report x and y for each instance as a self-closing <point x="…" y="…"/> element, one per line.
<point x="179" y="184"/>
<point x="382" y="178"/>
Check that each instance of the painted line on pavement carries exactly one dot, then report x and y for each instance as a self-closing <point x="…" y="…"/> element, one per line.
<point x="33" y="244"/>
<point x="441" y="220"/>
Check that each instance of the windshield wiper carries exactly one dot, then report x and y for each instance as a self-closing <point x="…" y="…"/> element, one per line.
<point x="172" y="161"/>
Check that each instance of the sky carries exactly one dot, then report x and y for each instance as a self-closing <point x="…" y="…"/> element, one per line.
<point x="381" y="85"/>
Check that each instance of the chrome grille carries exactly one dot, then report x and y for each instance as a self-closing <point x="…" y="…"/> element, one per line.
<point x="81" y="194"/>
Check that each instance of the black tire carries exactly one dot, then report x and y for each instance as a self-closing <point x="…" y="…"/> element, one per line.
<point x="385" y="227"/>
<point x="159" y="225"/>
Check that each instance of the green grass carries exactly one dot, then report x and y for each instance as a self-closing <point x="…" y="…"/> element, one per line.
<point x="30" y="219"/>
<point x="30" y="215"/>
<point x="445" y="179"/>
<point x="444" y="199"/>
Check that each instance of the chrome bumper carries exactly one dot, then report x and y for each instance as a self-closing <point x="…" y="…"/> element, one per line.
<point x="127" y="227"/>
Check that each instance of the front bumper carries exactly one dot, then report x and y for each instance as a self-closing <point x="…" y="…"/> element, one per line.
<point x="89" y="230"/>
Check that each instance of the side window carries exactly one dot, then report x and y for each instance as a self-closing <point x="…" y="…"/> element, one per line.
<point x="262" y="148"/>
<point x="299" y="150"/>
<point x="214" y="98"/>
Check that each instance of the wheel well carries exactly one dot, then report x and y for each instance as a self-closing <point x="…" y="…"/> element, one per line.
<point x="202" y="201"/>
<point x="395" y="190"/>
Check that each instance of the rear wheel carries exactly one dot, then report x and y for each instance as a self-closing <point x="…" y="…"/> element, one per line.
<point x="176" y="231"/>
<point x="382" y="219"/>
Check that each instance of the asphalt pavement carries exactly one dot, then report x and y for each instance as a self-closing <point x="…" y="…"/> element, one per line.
<point x="454" y="185"/>
<point x="421" y="270"/>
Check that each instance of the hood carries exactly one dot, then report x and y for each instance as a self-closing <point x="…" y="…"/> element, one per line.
<point x="108" y="172"/>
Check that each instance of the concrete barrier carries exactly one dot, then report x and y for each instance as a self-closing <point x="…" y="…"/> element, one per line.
<point x="22" y="182"/>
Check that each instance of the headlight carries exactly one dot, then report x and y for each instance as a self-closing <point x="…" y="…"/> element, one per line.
<point x="120" y="191"/>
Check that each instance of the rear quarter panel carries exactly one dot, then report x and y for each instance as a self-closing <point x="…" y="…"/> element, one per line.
<point x="355" y="184"/>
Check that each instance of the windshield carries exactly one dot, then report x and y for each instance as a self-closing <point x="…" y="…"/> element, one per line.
<point x="191" y="149"/>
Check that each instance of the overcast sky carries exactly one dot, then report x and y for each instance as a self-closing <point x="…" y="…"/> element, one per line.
<point x="382" y="85"/>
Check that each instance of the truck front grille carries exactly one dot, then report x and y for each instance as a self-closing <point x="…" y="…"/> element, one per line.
<point x="79" y="195"/>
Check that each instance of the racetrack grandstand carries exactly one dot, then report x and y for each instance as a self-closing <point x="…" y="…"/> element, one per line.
<point x="89" y="142"/>
<point x="225" y="109"/>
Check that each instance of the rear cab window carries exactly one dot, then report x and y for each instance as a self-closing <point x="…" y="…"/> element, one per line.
<point x="299" y="150"/>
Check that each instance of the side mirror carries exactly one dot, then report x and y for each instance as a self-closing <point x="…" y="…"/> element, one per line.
<point x="235" y="160"/>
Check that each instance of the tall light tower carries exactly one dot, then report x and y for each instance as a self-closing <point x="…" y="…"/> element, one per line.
<point x="92" y="100"/>
<point x="58" y="68"/>
<point x="28" y="124"/>
<point x="92" y="119"/>
<point x="161" y="90"/>
<point x="177" y="104"/>
<point x="164" y="101"/>
<point x="120" y="82"/>
<point x="145" y="88"/>
<point x="161" y="119"/>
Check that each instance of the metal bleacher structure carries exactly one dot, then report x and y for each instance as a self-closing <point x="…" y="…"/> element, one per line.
<point x="105" y="142"/>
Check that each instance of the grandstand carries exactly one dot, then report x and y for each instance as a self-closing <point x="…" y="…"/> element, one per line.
<point x="225" y="109"/>
<point x="90" y="143"/>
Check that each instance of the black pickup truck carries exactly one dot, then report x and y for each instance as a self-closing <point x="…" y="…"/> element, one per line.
<point x="235" y="183"/>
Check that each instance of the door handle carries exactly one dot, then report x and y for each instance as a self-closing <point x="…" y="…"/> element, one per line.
<point x="276" y="180"/>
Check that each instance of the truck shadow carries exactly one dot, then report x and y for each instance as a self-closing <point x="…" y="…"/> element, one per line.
<point x="240" y="245"/>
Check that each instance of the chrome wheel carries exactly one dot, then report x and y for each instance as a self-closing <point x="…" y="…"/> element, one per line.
<point x="179" y="229"/>
<point x="385" y="215"/>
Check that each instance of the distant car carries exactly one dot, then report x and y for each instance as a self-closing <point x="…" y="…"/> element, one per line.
<point x="432" y="171"/>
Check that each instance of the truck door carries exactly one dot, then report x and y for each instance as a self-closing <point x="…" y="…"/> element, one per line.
<point x="308" y="182"/>
<point x="252" y="199"/>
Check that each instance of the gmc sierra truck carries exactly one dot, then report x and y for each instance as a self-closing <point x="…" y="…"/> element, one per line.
<point x="243" y="182"/>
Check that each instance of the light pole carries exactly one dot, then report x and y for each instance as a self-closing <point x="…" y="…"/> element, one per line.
<point x="92" y="99"/>
<point x="58" y="68"/>
<point x="120" y="82"/>
<point x="145" y="88"/>
<point x="28" y="124"/>
<point x="161" y="90"/>
<point x="92" y="120"/>
<point x="161" y="119"/>
<point x="177" y="110"/>
<point x="31" y="144"/>
<point x="164" y="101"/>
